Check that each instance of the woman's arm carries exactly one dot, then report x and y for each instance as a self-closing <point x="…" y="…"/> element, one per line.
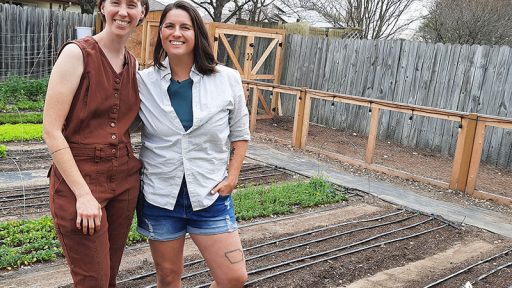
<point x="236" y="159"/>
<point x="63" y="83"/>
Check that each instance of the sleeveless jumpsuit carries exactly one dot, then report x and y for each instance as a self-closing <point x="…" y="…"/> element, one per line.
<point x="96" y="128"/>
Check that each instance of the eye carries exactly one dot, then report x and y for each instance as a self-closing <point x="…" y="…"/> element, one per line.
<point x="168" y="26"/>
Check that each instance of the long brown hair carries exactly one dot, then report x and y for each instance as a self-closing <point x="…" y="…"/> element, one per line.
<point x="204" y="60"/>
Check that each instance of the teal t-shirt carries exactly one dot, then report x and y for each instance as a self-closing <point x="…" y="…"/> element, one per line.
<point x="180" y="94"/>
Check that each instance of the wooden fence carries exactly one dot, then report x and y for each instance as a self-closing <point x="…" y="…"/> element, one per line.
<point x="469" y="144"/>
<point x="31" y="37"/>
<point x="470" y="79"/>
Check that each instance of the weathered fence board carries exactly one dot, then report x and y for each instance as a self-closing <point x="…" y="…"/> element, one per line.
<point x="457" y="77"/>
<point x="31" y="37"/>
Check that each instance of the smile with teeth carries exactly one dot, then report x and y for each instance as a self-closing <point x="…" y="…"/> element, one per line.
<point x="122" y="22"/>
<point x="177" y="42"/>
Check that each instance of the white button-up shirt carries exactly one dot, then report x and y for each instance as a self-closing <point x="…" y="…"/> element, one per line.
<point x="201" y="154"/>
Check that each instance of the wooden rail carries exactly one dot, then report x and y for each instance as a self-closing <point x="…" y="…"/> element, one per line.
<point x="468" y="150"/>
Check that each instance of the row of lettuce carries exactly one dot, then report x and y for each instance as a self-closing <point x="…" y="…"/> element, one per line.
<point x="25" y="242"/>
<point x="21" y="103"/>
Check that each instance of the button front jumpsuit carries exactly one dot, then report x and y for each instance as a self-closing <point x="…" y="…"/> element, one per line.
<point x="96" y="128"/>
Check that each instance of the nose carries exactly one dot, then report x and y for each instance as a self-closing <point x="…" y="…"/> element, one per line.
<point x="122" y="10"/>
<point x="176" y="32"/>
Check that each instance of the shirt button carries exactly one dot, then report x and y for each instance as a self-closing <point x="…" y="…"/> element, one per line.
<point x="112" y="124"/>
<point x="114" y="110"/>
<point x="113" y="150"/>
<point x="116" y="94"/>
<point x="117" y="80"/>
<point x="114" y="136"/>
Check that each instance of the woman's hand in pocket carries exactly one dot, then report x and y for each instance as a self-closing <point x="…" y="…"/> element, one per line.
<point x="225" y="187"/>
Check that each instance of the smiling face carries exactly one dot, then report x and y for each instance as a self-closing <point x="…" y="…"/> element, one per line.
<point x="177" y="34"/>
<point x="122" y="16"/>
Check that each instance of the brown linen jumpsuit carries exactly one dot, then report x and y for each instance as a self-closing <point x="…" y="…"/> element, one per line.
<point x="96" y="128"/>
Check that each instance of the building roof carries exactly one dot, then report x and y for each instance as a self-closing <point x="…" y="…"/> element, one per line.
<point x="155" y="5"/>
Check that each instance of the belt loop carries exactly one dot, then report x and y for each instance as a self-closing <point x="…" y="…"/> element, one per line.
<point x="97" y="154"/>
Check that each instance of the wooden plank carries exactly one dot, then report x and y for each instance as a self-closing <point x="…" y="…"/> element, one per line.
<point x="463" y="153"/>
<point x="254" y="110"/>
<point x="305" y="122"/>
<point x="298" y="119"/>
<point x="249" y="52"/>
<point x="245" y="33"/>
<point x="475" y="158"/>
<point x="264" y="57"/>
<point x="263" y="77"/>
<point x="264" y="105"/>
<point x="379" y="168"/>
<point x="276" y="97"/>
<point x="372" y="135"/>
<point x="231" y="54"/>
<point x="248" y="29"/>
<point x="493" y="197"/>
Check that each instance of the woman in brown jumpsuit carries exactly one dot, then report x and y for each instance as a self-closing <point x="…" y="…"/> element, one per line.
<point x="91" y="101"/>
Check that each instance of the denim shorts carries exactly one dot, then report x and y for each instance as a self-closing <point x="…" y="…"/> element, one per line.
<point x="162" y="224"/>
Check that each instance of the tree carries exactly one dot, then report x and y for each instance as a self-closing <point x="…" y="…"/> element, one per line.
<point x="377" y="18"/>
<point x="484" y="22"/>
<point x="87" y="6"/>
<point x="214" y="8"/>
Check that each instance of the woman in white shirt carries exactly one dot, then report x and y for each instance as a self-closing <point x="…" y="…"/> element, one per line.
<point x="196" y="125"/>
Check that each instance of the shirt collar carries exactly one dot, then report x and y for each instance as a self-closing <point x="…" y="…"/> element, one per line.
<point x="165" y="72"/>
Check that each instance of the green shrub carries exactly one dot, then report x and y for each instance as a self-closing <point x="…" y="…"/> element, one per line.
<point x="3" y="151"/>
<point x="18" y="132"/>
<point x="18" y="118"/>
<point x="22" y="93"/>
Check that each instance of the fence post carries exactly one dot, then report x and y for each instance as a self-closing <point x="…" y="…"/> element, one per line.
<point x="372" y="135"/>
<point x="254" y="109"/>
<point x="305" y="119"/>
<point x="463" y="153"/>
<point x="300" y="102"/>
<point x="476" y="156"/>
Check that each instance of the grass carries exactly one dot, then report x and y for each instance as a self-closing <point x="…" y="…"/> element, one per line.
<point x="18" y="132"/>
<point x="25" y="242"/>
<point x="19" y="118"/>
<point x="3" y="151"/>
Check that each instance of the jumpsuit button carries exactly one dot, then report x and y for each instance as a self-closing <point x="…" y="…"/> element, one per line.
<point x="114" y="136"/>
<point x="112" y="124"/>
<point x="116" y="94"/>
<point x="117" y="80"/>
<point x="113" y="150"/>
<point x="114" y="110"/>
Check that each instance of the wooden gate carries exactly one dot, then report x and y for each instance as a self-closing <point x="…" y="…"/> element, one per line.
<point x="250" y="68"/>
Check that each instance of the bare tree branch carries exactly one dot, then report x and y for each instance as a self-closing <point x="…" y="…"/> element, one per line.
<point x="484" y="22"/>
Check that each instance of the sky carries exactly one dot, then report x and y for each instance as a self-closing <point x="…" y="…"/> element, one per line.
<point x="419" y="9"/>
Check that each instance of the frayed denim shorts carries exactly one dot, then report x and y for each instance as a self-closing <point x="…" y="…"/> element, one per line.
<point x="162" y="224"/>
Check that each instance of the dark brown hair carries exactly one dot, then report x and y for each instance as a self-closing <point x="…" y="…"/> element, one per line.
<point x="204" y="60"/>
<point x="144" y="3"/>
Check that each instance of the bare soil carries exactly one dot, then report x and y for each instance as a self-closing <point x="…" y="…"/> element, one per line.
<point x="407" y="262"/>
<point x="278" y="133"/>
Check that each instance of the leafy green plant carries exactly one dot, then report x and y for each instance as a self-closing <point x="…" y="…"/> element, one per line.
<point x="22" y="93"/>
<point x="18" y="132"/>
<point x="24" y="242"/>
<point x="18" y="118"/>
<point x="283" y="198"/>
<point x="3" y="151"/>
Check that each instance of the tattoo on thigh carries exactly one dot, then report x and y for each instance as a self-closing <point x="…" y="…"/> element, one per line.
<point x="234" y="256"/>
